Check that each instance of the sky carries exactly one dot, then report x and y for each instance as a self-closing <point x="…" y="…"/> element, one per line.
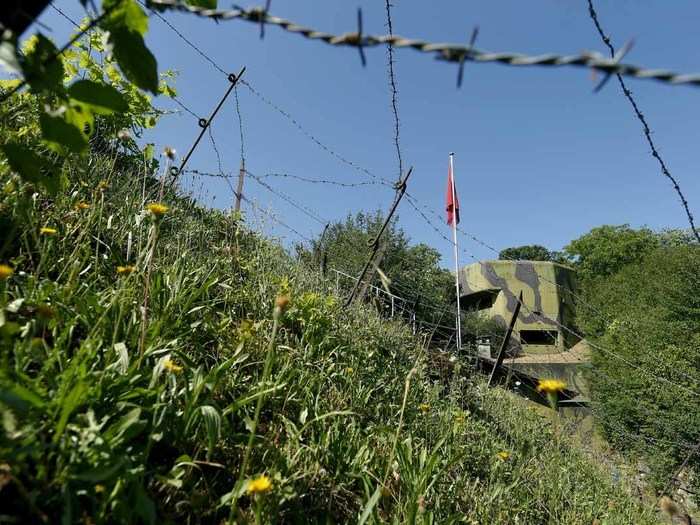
<point x="539" y="158"/>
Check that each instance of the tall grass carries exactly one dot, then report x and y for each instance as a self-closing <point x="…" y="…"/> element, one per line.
<point x="109" y="419"/>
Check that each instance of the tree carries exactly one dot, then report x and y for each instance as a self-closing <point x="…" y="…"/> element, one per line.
<point x="649" y="331"/>
<point x="529" y="252"/>
<point x="413" y="270"/>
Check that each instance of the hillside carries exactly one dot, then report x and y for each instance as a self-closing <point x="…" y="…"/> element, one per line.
<point x="147" y="376"/>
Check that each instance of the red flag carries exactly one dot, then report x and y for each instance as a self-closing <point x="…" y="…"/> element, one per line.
<point x="452" y="199"/>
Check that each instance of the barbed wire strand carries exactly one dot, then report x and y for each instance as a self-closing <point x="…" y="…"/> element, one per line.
<point x="642" y="119"/>
<point x="392" y="86"/>
<point x="442" y="51"/>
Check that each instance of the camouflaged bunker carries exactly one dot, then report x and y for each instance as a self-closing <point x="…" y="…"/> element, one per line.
<point x="540" y="347"/>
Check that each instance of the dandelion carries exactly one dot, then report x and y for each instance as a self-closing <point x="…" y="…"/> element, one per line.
<point x="157" y="209"/>
<point x="48" y="231"/>
<point x="171" y="366"/>
<point x="349" y="370"/>
<point x="424" y="407"/>
<point x="503" y="455"/>
<point x="99" y="489"/>
<point x="259" y="485"/>
<point x="82" y="206"/>
<point x="103" y="185"/>
<point x="551" y="386"/>
<point x="125" y="270"/>
<point x="6" y="271"/>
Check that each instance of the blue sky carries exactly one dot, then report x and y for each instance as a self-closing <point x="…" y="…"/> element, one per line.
<point x="539" y="157"/>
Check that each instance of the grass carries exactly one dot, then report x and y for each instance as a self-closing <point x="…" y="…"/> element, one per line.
<point x="156" y="395"/>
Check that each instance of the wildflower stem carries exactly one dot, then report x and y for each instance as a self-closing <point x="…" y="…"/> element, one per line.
<point x="407" y="386"/>
<point x="258" y="407"/>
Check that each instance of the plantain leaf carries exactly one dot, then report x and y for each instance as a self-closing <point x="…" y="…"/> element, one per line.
<point x="101" y="98"/>
<point x="135" y="60"/>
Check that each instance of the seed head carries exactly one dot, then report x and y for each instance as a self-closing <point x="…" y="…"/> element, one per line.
<point x="169" y="152"/>
<point x="123" y="135"/>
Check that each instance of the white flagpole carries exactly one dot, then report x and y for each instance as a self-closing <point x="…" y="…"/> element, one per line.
<point x="458" y="321"/>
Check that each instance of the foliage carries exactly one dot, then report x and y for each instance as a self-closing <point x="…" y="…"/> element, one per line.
<point x="131" y="395"/>
<point x="653" y="311"/>
<point x="530" y="252"/>
<point x="413" y="271"/>
<point x="605" y="250"/>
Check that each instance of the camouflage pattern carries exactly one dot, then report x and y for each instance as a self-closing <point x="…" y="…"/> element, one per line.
<point x="492" y="287"/>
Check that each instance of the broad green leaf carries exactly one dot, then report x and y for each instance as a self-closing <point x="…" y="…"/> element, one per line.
<point x="80" y="116"/>
<point x="42" y="67"/>
<point x="68" y="404"/>
<point x="30" y="166"/>
<point x="207" y="4"/>
<point x="59" y="134"/>
<point x="101" y="98"/>
<point x="126" y="15"/>
<point x="135" y="60"/>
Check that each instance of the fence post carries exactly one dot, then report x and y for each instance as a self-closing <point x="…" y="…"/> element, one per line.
<point x="239" y="190"/>
<point x="506" y="339"/>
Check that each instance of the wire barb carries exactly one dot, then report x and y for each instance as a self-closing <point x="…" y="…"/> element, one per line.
<point x="445" y="52"/>
<point x="645" y="126"/>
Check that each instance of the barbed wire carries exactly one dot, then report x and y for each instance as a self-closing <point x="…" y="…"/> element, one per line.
<point x="645" y="126"/>
<point x="301" y="207"/>
<point x="322" y="181"/>
<point x="64" y="15"/>
<point x="442" y="51"/>
<point x="392" y="86"/>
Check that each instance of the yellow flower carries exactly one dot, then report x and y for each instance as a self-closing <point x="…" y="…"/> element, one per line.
<point x="349" y="370"/>
<point x="259" y="485"/>
<point x="99" y="488"/>
<point x="503" y="455"/>
<point x="157" y="209"/>
<point x="171" y="366"/>
<point x="282" y="302"/>
<point x="6" y="271"/>
<point x="103" y="185"/>
<point x="48" y="231"/>
<point x="125" y="270"/>
<point x="551" y="386"/>
<point x="424" y="407"/>
<point x="82" y="206"/>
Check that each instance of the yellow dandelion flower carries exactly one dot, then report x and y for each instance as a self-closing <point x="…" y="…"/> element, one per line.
<point x="551" y="386"/>
<point x="125" y="270"/>
<point x="259" y="485"/>
<point x="48" y="231"/>
<point x="349" y="370"/>
<point x="6" y="271"/>
<point x="82" y="206"/>
<point x="171" y="366"/>
<point x="99" y="488"/>
<point x="424" y="407"/>
<point x="103" y="185"/>
<point x="503" y="455"/>
<point x="157" y="209"/>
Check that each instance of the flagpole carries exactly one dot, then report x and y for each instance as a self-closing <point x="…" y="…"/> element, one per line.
<point x="458" y="321"/>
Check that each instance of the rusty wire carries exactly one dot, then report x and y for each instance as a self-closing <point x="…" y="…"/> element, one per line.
<point x="643" y="121"/>
<point x="442" y="51"/>
<point x="324" y="181"/>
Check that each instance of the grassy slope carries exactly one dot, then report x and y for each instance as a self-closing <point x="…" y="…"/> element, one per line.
<point x="94" y="433"/>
